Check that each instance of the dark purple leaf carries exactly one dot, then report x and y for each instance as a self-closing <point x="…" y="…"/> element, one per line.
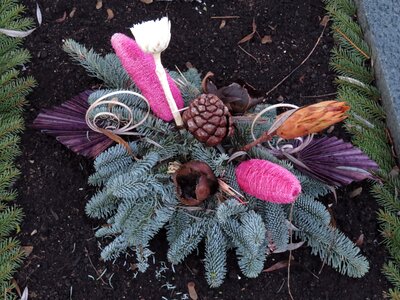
<point x="334" y="161"/>
<point x="67" y="123"/>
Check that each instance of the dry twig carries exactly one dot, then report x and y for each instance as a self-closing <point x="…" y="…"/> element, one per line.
<point x="302" y="63"/>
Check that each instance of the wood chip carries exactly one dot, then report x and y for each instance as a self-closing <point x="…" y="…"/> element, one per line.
<point x="324" y="21"/>
<point x="355" y="192"/>
<point x="72" y="13"/>
<point x="192" y="291"/>
<point x="267" y="39"/>
<point x="99" y="4"/>
<point x="33" y="232"/>
<point x="27" y="250"/>
<point x="146" y="1"/>
<point x="110" y="14"/>
<point x="222" y="25"/>
<point x="63" y="18"/>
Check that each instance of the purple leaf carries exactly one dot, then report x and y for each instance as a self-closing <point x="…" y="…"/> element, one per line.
<point x="334" y="161"/>
<point x="67" y="123"/>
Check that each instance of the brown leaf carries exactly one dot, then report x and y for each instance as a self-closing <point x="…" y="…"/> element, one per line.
<point x="99" y="4"/>
<point x="222" y="25"/>
<point x="27" y="250"/>
<point x="16" y="286"/>
<point x="250" y="35"/>
<point x="267" y="39"/>
<point x="72" y="13"/>
<point x="110" y="14"/>
<point x="63" y="18"/>
<point x="324" y="21"/>
<point x="133" y="266"/>
<point x="118" y="139"/>
<point x="333" y="220"/>
<point x="355" y="192"/>
<point x="277" y="266"/>
<point x="192" y="291"/>
<point x="146" y="1"/>
<point x="360" y="240"/>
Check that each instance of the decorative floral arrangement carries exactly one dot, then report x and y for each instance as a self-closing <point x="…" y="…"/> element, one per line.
<point x="227" y="170"/>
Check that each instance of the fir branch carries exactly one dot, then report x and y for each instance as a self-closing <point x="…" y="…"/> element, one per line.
<point x="108" y="68"/>
<point x="13" y="90"/>
<point x="215" y="257"/>
<point x="187" y="241"/>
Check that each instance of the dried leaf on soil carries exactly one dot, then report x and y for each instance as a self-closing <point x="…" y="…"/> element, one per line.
<point x="192" y="291"/>
<point x="277" y="266"/>
<point x="39" y="16"/>
<point x="324" y="21"/>
<point x="110" y="14"/>
<point x="72" y="13"/>
<point x="16" y="286"/>
<point x="360" y="240"/>
<point x="25" y="294"/>
<point x="16" y="33"/>
<point x="146" y="1"/>
<point x="250" y="35"/>
<point x="62" y="19"/>
<point x="355" y="192"/>
<point x="27" y="250"/>
<point x="99" y="4"/>
<point x="267" y="39"/>
<point x="222" y="25"/>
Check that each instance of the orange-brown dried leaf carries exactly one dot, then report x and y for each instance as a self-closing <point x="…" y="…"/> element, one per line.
<point x="110" y="14"/>
<point x="313" y="119"/>
<point x="267" y="39"/>
<point x="250" y="35"/>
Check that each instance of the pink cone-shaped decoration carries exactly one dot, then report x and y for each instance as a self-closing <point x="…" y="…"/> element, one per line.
<point x="267" y="181"/>
<point x="141" y="68"/>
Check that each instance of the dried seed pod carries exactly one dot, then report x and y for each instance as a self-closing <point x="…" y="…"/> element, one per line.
<point x="195" y="182"/>
<point x="208" y="119"/>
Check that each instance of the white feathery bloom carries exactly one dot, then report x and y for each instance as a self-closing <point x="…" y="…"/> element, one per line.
<point x="153" y="36"/>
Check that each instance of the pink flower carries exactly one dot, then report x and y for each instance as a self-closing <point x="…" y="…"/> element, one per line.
<point x="267" y="181"/>
<point x="141" y="68"/>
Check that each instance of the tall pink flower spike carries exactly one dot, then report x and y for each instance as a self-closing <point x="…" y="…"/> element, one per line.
<point x="267" y="181"/>
<point x="141" y="68"/>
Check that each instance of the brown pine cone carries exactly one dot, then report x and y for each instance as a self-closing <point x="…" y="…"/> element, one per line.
<point x="208" y="119"/>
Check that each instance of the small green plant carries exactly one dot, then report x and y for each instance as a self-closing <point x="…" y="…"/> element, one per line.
<point x="350" y="59"/>
<point x="13" y="89"/>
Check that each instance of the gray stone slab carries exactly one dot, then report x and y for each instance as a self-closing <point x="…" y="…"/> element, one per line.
<point x="380" y="20"/>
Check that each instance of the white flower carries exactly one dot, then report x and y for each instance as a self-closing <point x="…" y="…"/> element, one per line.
<point x="153" y="36"/>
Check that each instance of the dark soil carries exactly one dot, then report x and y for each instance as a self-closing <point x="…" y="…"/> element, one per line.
<point x="53" y="191"/>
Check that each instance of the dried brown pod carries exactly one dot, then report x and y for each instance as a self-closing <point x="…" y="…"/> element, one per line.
<point x="195" y="182"/>
<point x="238" y="97"/>
<point x="208" y="119"/>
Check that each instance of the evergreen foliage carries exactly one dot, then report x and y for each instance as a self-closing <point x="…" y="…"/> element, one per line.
<point x="13" y="89"/>
<point x="367" y="125"/>
<point x="137" y="198"/>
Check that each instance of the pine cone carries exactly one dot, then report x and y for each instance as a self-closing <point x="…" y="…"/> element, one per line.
<point x="208" y="119"/>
